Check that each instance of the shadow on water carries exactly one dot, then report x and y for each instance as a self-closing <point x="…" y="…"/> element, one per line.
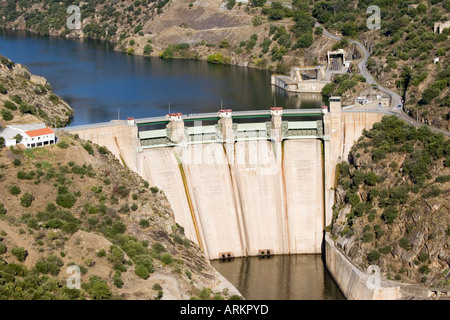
<point x="102" y="84"/>
<point x="286" y="277"/>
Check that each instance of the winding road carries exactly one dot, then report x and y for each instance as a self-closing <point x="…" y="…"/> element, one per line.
<point x="396" y="99"/>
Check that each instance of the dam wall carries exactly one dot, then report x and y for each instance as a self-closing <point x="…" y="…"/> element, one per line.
<point x="358" y="285"/>
<point x="241" y="192"/>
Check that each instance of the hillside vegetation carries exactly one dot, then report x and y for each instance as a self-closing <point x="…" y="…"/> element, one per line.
<point x="74" y="204"/>
<point x="26" y="98"/>
<point x="393" y="203"/>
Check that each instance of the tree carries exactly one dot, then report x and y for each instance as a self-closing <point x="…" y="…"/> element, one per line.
<point x="141" y="271"/>
<point x="230" y="4"/>
<point x="18" y="137"/>
<point x="257" y="3"/>
<point x="66" y="200"/>
<point x="19" y="253"/>
<point x="15" y="190"/>
<point x="98" y="289"/>
<point x="7" y="115"/>
<point x="26" y="200"/>
<point x="148" y="49"/>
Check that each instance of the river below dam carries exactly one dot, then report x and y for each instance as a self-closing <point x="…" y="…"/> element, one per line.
<point x="285" y="277"/>
<point x="102" y="85"/>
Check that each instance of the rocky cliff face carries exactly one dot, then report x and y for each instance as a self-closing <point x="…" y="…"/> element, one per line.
<point x="392" y="203"/>
<point x="29" y="98"/>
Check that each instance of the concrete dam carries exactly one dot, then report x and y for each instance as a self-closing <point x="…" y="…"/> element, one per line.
<point x="242" y="183"/>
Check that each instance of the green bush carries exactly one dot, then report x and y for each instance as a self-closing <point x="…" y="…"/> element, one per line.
<point x="405" y="243"/>
<point x="118" y="279"/>
<point x="385" y="249"/>
<point x="7" y="115"/>
<point x="423" y="257"/>
<point x="15" y="190"/>
<point x="101" y="253"/>
<point x="144" y="223"/>
<point x="367" y="237"/>
<point x="88" y="147"/>
<point x="373" y="255"/>
<point x="10" y="105"/>
<point x="26" y="200"/>
<point x="102" y="150"/>
<point x="98" y="289"/>
<point x="158" y="247"/>
<point x="66" y="200"/>
<point x="19" y="253"/>
<point x="141" y="271"/>
<point x="390" y="214"/>
<point x="2" y="209"/>
<point x="63" y="145"/>
<point x="166" y="258"/>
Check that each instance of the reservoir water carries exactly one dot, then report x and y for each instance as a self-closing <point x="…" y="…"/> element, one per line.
<point x="101" y="85"/>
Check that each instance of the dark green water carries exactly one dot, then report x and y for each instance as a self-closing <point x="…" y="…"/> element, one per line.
<point x="101" y="84"/>
<point x="293" y="277"/>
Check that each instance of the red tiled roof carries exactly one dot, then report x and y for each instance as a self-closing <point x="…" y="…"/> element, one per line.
<point x="39" y="132"/>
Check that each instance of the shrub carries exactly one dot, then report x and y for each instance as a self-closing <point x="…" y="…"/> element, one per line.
<point x="2" y="248"/>
<point x="7" y="115"/>
<point x="158" y="247"/>
<point x="367" y="237"/>
<point x="166" y="258"/>
<point x="230" y="4"/>
<point x="119" y="227"/>
<point x="19" y="253"/>
<point x="118" y="279"/>
<point x="154" y="189"/>
<point x="385" y="249"/>
<point x="390" y="214"/>
<point x="88" y="147"/>
<point x="63" y="145"/>
<point x="423" y="257"/>
<point x="101" y="253"/>
<point x="141" y="271"/>
<point x="2" y="209"/>
<point x="144" y="223"/>
<point x="10" y="105"/>
<point x="98" y="289"/>
<point x="102" y="150"/>
<point x="26" y="200"/>
<point x="15" y="190"/>
<point x="66" y="200"/>
<point x="373" y="255"/>
<point x="405" y="243"/>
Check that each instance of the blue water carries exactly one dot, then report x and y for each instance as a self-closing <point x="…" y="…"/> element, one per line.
<point x="101" y="84"/>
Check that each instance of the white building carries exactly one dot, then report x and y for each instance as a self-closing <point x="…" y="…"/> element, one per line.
<point x="34" y="135"/>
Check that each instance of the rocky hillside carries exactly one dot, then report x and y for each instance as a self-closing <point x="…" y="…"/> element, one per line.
<point x="74" y="204"/>
<point x="393" y="203"/>
<point x="403" y="50"/>
<point x="27" y="98"/>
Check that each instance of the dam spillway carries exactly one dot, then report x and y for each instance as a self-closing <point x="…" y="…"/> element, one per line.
<point x="242" y="188"/>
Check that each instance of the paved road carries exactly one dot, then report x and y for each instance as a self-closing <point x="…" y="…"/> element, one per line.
<point x="396" y="99"/>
